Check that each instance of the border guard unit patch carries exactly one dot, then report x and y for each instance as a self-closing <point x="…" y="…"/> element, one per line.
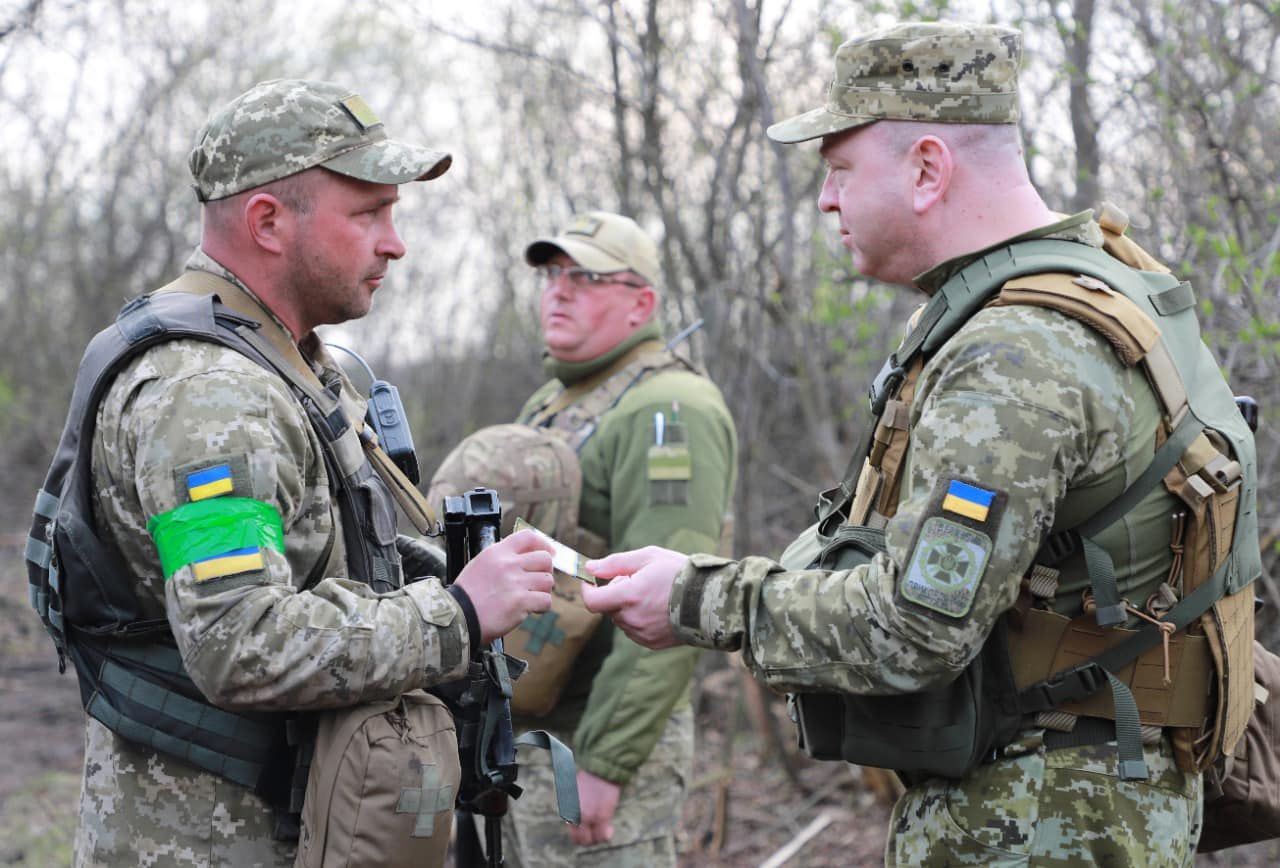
<point x="952" y="548"/>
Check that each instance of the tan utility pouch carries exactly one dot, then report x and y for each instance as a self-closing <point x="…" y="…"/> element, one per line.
<point x="550" y="643"/>
<point x="382" y="786"/>
<point x="1207" y="483"/>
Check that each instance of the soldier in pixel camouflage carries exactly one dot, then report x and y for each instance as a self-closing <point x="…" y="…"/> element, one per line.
<point x="1025" y="421"/>
<point x="195" y="444"/>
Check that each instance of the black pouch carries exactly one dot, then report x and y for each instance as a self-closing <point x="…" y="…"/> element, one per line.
<point x="946" y="731"/>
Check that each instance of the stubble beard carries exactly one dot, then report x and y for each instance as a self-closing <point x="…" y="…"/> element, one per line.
<point x="327" y="295"/>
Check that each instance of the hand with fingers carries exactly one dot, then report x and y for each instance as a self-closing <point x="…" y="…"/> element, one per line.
<point x="508" y="581"/>
<point x="599" y="800"/>
<point x="637" y="593"/>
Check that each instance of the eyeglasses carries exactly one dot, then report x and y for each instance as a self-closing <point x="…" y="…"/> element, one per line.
<point x="581" y="278"/>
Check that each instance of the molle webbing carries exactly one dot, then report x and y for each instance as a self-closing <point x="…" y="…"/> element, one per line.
<point x="152" y="711"/>
<point x="1066" y="666"/>
<point x="1046" y="643"/>
<point x="131" y="679"/>
<point x="575" y="411"/>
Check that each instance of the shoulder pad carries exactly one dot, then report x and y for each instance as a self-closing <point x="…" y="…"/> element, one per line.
<point x="1126" y="327"/>
<point x="1114" y="223"/>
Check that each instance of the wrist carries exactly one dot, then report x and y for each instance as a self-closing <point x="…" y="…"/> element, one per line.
<point x="473" y="620"/>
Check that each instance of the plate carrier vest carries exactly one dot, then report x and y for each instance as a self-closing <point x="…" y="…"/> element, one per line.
<point x="131" y="675"/>
<point x="1030" y="667"/>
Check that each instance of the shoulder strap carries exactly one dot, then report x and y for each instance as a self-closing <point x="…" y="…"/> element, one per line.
<point x="278" y="348"/>
<point x="576" y="410"/>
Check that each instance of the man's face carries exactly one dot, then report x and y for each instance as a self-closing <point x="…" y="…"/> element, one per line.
<point x="341" y="248"/>
<point x="868" y="185"/>
<point x="581" y="321"/>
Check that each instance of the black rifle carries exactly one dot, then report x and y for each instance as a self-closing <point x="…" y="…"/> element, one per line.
<point x="480" y="702"/>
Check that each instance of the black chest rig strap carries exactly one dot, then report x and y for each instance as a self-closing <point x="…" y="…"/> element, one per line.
<point x="131" y="676"/>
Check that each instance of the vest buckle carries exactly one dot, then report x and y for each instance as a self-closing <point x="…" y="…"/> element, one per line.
<point x="1071" y="685"/>
<point x="886" y="384"/>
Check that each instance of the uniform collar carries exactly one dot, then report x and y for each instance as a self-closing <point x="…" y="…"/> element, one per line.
<point x="572" y="372"/>
<point x="1079" y="227"/>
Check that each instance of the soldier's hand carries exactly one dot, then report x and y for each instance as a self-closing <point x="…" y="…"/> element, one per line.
<point x="637" y="593"/>
<point x="508" y="581"/>
<point x="599" y="800"/>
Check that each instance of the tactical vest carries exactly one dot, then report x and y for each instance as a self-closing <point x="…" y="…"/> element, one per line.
<point x="131" y="675"/>
<point x="573" y="414"/>
<point x="1041" y="665"/>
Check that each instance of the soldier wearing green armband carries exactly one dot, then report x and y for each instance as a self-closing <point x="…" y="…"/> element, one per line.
<point x="222" y="562"/>
<point x="1030" y="594"/>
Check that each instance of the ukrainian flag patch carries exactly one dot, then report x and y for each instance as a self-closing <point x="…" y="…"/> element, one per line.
<point x="210" y="482"/>
<point x="230" y="563"/>
<point x="968" y="500"/>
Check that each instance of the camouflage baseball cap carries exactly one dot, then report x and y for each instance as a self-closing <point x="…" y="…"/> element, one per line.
<point x="601" y="241"/>
<point x="281" y="127"/>
<point x="948" y="73"/>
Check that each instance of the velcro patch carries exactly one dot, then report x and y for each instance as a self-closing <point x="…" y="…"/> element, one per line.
<point x="360" y="111"/>
<point x="210" y="482"/>
<point x="670" y="462"/>
<point x="946" y="567"/>
<point x="215" y="476"/>
<point x="245" y="560"/>
<point x="968" y="500"/>
<point x="584" y="225"/>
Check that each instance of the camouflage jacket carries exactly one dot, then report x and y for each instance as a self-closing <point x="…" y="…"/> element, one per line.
<point x="258" y="640"/>
<point x="1023" y="402"/>
<point x="622" y="695"/>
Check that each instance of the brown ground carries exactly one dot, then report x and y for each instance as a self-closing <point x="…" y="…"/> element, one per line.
<point x="750" y="794"/>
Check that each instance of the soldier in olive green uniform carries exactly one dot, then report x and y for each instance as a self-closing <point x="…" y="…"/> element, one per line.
<point x="1025" y="421"/>
<point x="194" y="444"/>
<point x="657" y="450"/>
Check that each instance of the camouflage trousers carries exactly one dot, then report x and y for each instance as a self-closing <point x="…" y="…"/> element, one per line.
<point x="1065" y="807"/>
<point x="644" y="827"/>
<point x="140" y="808"/>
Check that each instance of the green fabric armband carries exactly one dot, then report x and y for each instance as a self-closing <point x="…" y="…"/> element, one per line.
<point x="220" y="529"/>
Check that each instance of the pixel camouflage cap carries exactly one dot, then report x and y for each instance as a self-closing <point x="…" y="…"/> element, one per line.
<point x="281" y="127"/>
<point x="601" y="241"/>
<point x="941" y="72"/>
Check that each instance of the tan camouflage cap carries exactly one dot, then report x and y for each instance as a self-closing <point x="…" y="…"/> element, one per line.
<point x="601" y="241"/>
<point x="281" y="127"/>
<point x="948" y="73"/>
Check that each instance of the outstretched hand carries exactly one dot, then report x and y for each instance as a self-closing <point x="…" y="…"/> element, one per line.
<point x="637" y="593"/>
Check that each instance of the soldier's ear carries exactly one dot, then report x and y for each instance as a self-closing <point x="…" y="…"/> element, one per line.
<point x="645" y="303"/>
<point x="267" y="221"/>
<point x="930" y="163"/>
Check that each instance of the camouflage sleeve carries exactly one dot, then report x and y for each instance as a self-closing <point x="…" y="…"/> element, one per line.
<point x="636" y="690"/>
<point x="1020" y="404"/>
<point x="256" y="640"/>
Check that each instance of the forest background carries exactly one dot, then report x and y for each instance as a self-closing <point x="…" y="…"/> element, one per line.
<point x="654" y="108"/>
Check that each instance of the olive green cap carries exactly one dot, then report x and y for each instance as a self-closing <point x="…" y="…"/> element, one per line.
<point x="281" y="127"/>
<point x="601" y="241"/>
<point x="940" y="72"/>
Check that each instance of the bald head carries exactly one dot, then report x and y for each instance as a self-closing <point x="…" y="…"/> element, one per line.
<point x="912" y="194"/>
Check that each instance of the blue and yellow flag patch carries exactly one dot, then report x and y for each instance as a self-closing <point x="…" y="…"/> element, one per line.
<point x="210" y="482"/>
<point x="244" y="560"/>
<point x="968" y="500"/>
